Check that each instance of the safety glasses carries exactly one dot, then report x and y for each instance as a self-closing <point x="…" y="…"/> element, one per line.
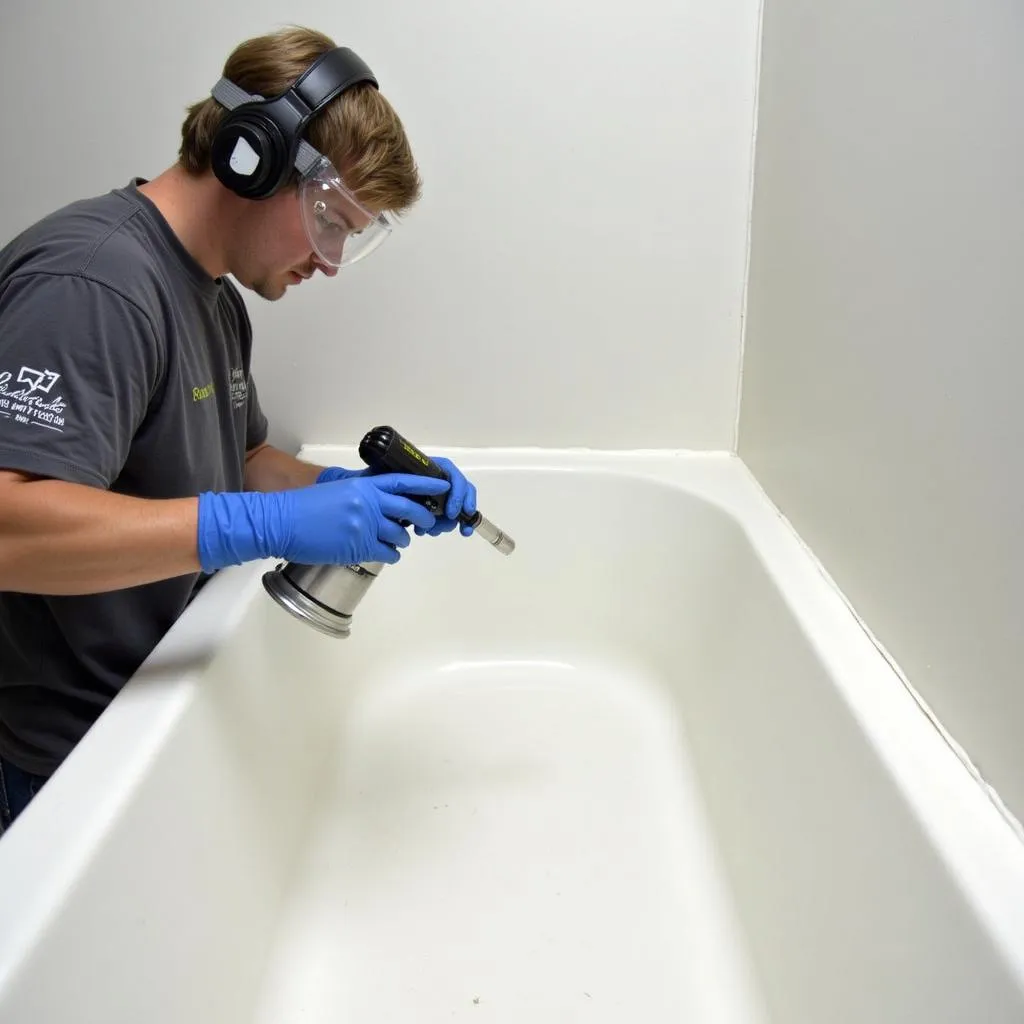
<point x="339" y="227"/>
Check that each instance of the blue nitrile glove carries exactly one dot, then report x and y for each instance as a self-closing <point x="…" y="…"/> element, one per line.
<point x="330" y="473"/>
<point x="340" y="522"/>
<point x="462" y="497"/>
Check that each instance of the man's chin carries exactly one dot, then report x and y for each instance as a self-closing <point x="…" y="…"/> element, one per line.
<point x="270" y="290"/>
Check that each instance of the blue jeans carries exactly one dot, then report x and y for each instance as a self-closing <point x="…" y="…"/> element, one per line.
<point x="17" y="788"/>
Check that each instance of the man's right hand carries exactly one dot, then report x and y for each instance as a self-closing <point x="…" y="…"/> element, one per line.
<point x="341" y="522"/>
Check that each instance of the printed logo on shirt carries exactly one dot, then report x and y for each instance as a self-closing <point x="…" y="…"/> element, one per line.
<point x="239" y="387"/>
<point x="33" y="402"/>
<point x="203" y="393"/>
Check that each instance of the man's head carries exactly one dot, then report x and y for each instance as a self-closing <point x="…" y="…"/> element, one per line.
<point x="358" y="132"/>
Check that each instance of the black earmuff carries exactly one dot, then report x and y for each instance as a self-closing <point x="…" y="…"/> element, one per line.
<point x="254" y="150"/>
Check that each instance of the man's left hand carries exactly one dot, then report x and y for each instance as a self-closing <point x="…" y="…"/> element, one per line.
<point x="460" y="498"/>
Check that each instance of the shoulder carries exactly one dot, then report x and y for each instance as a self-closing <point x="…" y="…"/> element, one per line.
<point x="91" y="241"/>
<point x="67" y="239"/>
<point x="77" y="273"/>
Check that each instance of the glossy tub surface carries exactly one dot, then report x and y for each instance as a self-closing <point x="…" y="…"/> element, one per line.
<point x="647" y="769"/>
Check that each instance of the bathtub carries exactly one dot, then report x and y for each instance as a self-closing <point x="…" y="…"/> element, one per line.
<point x="648" y="769"/>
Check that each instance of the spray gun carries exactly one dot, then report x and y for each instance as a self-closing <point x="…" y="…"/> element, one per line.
<point x="325" y="596"/>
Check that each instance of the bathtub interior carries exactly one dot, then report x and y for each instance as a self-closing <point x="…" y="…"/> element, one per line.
<point x="609" y="776"/>
<point x="848" y="912"/>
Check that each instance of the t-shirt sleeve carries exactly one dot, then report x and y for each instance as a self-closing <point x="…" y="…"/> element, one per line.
<point x="256" y="426"/>
<point x="79" y="364"/>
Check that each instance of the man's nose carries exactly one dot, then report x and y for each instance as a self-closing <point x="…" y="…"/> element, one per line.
<point x="327" y="269"/>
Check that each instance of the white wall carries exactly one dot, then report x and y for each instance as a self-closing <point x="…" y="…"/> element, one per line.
<point x="574" y="273"/>
<point x="882" y="404"/>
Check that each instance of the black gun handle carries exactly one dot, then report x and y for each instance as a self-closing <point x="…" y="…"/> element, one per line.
<point x="386" y="451"/>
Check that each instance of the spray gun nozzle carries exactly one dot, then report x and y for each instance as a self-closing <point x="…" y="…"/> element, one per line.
<point x="490" y="533"/>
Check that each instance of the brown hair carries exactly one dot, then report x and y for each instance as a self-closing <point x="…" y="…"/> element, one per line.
<point x="358" y="131"/>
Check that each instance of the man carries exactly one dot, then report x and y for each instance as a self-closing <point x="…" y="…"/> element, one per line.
<point x="133" y="451"/>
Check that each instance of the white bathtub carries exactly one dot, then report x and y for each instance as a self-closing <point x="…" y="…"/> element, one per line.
<point x="647" y="769"/>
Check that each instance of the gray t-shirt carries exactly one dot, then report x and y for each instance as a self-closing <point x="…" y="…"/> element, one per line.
<point x="125" y="366"/>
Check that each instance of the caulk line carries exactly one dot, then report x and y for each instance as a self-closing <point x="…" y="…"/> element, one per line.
<point x="748" y="256"/>
<point x="958" y="751"/>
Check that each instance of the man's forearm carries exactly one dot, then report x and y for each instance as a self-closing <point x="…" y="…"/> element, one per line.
<point x="63" y="538"/>
<point x="269" y="469"/>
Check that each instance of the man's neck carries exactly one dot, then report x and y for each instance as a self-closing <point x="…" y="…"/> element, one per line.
<point x="198" y="211"/>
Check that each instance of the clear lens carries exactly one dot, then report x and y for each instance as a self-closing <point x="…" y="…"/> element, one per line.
<point x="340" y="229"/>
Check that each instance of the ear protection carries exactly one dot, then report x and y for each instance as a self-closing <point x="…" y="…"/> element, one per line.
<point x="259" y="140"/>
